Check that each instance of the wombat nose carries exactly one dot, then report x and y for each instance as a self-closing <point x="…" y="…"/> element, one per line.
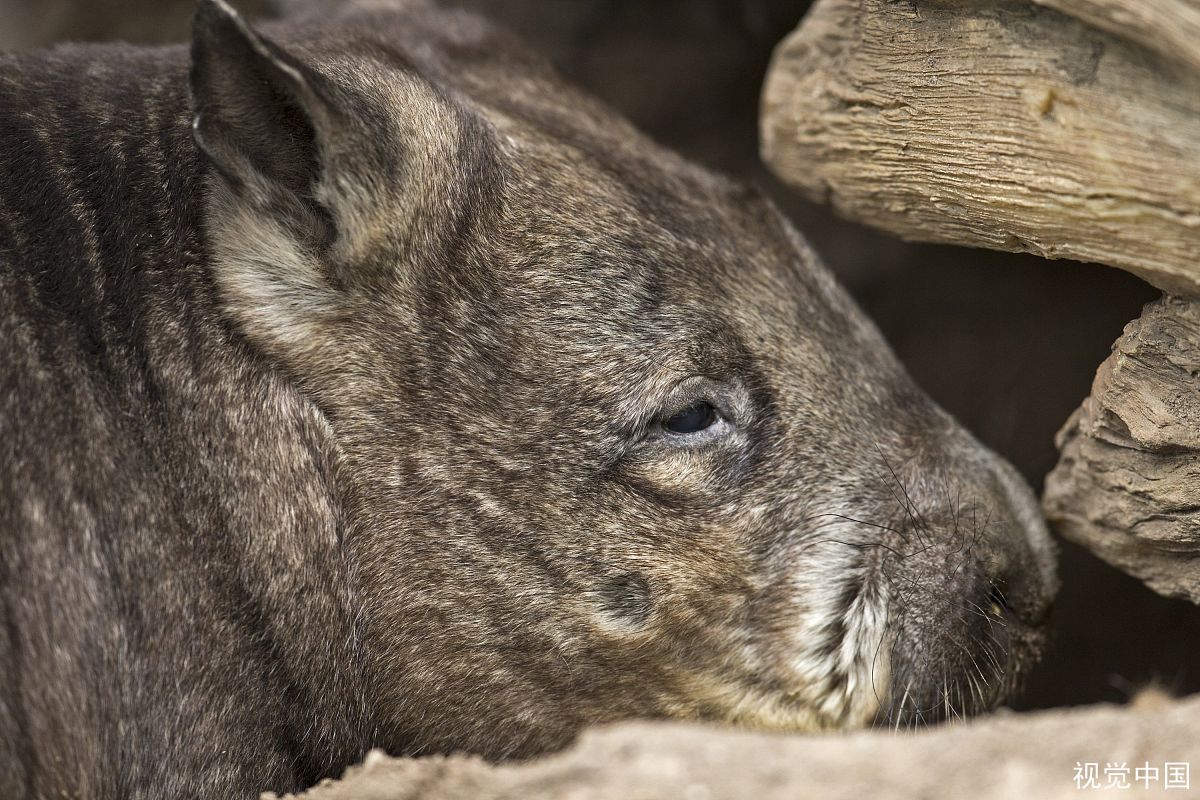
<point x="1020" y="576"/>
<point x="980" y="580"/>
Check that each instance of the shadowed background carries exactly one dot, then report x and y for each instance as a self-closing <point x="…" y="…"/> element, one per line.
<point x="1007" y="343"/>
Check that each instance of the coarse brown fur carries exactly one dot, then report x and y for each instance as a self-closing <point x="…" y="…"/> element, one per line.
<point x="338" y="388"/>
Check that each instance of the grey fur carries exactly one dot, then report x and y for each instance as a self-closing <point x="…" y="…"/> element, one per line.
<point x="345" y="428"/>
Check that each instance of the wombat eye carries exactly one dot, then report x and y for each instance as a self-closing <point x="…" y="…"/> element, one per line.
<point x="692" y="419"/>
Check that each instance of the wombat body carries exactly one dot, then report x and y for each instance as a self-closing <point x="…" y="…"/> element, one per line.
<point x="364" y="386"/>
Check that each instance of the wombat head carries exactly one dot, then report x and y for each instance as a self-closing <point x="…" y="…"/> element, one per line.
<point x="612" y="442"/>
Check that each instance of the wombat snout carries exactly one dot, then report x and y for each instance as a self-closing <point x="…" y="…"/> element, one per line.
<point x="972" y="585"/>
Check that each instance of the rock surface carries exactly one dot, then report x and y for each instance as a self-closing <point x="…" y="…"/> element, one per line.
<point x="1005" y="756"/>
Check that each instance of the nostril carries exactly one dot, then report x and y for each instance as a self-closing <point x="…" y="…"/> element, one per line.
<point x="1006" y="602"/>
<point x="998" y="603"/>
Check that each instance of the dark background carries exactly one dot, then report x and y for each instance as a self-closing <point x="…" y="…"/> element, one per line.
<point x="1007" y="343"/>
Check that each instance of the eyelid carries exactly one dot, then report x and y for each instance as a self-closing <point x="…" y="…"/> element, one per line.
<point x="703" y="406"/>
<point x="722" y="396"/>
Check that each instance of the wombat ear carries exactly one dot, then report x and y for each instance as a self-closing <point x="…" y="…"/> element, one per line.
<point x="260" y="116"/>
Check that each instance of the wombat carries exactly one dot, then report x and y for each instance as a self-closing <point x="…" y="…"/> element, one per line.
<point x="366" y="386"/>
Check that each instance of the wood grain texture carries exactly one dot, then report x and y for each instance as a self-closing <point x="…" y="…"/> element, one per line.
<point x="1127" y="485"/>
<point x="993" y="123"/>
<point x="995" y="758"/>
<point x="1170" y="27"/>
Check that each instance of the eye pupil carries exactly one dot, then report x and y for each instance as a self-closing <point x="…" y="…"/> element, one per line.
<point x="692" y="419"/>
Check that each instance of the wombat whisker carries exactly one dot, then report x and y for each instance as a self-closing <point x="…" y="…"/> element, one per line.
<point x="990" y="655"/>
<point x="911" y="509"/>
<point x="875" y="659"/>
<point x="862" y="546"/>
<point x="903" y="499"/>
<point x="954" y="526"/>
<point x="881" y="526"/>
<point x="903" y="702"/>
<point x="975" y="699"/>
<point x="990" y="617"/>
<point x="967" y="652"/>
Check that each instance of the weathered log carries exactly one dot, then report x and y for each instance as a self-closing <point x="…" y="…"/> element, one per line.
<point x="1127" y="485"/>
<point x="1015" y="755"/>
<point x="1172" y="27"/>
<point x="993" y="123"/>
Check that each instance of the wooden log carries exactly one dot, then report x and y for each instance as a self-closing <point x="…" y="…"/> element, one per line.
<point x="993" y="123"/>
<point x="996" y="758"/>
<point x="1171" y="27"/>
<point x="1127" y="485"/>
